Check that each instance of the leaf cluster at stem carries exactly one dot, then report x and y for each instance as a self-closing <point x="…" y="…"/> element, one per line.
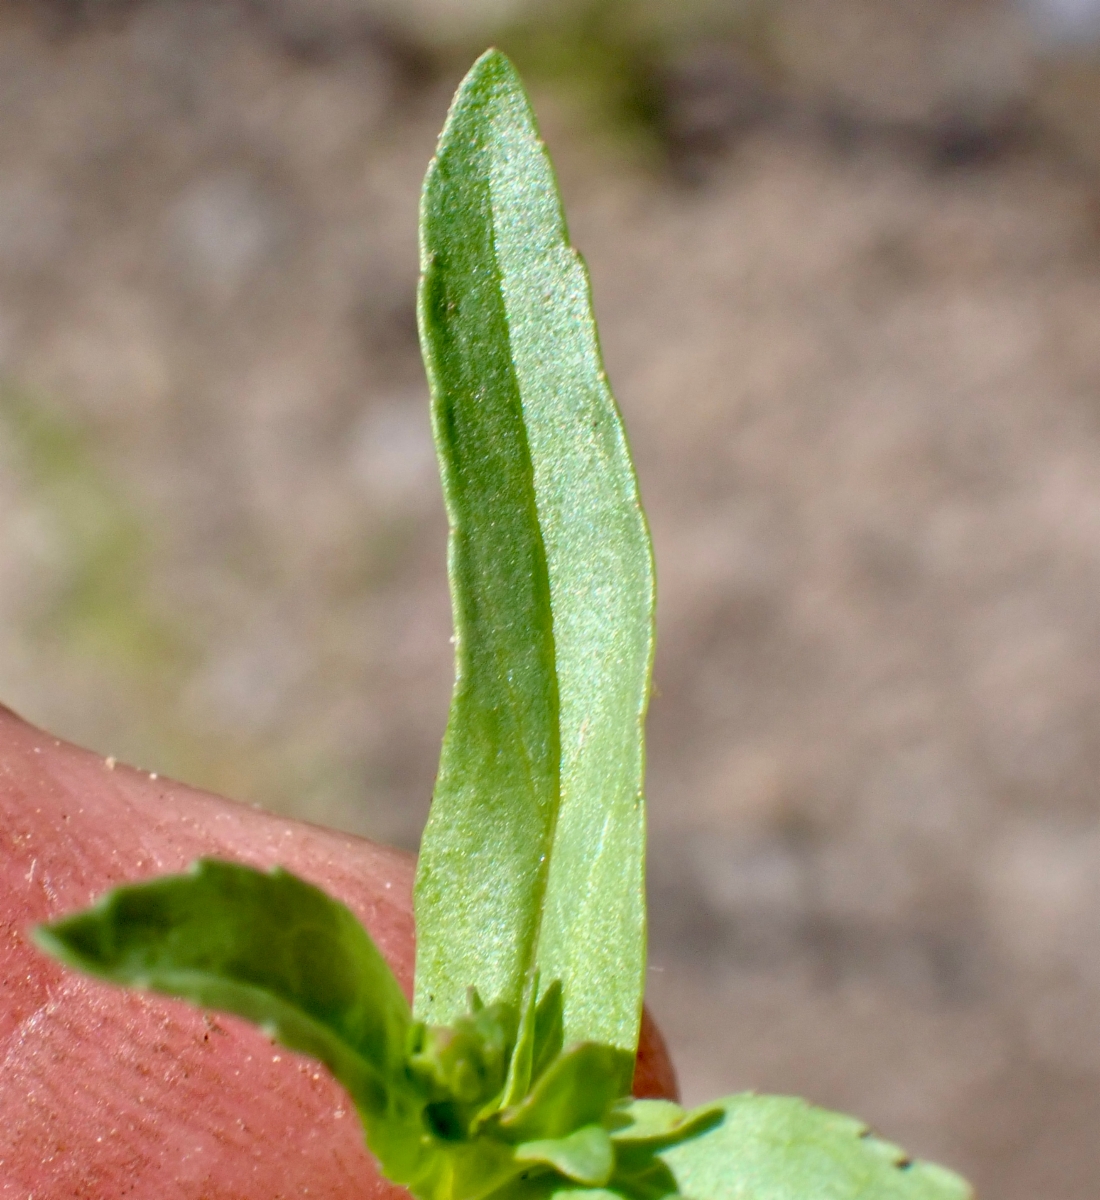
<point x="492" y="1103"/>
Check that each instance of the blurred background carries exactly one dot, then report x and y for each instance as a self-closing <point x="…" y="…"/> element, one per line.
<point x="846" y="259"/>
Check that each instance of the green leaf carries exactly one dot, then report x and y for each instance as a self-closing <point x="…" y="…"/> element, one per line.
<point x="549" y="1030"/>
<point x="484" y="855"/>
<point x="523" y="1056"/>
<point x="586" y="1155"/>
<point x="463" y="1068"/>
<point x="552" y="1186"/>
<point x="268" y="947"/>
<point x="545" y="518"/>
<point x="781" y="1148"/>
<point x="578" y="1088"/>
<point x="658" y="1121"/>
<point x="463" y="1170"/>
<point x="601" y="586"/>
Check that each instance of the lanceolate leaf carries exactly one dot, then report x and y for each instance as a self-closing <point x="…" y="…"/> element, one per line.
<point x="601" y="587"/>
<point x="514" y="364"/>
<point x="485" y="851"/>
<point x="781" y="1148"/>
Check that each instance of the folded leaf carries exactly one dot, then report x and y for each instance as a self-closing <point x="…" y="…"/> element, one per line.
<point x="601" y="576"/>
<point x="781" y="1148"/>
<point x="545" y="518"/>
<point x="266" y="946"/>
<point x="523" y="1055"/>
<point x="485" y="851"/>
<point x="549" y="1030"/>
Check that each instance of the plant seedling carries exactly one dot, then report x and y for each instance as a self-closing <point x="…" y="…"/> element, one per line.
<point x="509" y="1077"/>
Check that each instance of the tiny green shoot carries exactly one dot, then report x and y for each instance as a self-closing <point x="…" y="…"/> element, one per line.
<point x="509" y="1078"/>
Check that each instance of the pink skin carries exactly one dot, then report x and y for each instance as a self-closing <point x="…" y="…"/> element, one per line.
<point x="106" y="1093"/>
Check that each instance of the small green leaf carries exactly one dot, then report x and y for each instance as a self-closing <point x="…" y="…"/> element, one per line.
<point x="578" y="1088"/>
<point x="540" y="1180"/>
<point x="552" y="1186"/>
<point x="586" y="1155"/>
<point x="549" y="1030"/>
<point x="469" y="1170"/>
<point x="268" y="947"/>
<point x="658" y="1121"/>
<point x="552" y="587"/>
<point x="781" y="1148"/>
<point x="523" y="1056"/>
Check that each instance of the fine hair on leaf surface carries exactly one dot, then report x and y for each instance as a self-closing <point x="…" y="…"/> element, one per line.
<point x="545" y="841"/>
<point x="509" y="1077"/>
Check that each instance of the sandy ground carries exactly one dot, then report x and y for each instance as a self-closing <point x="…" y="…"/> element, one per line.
<point x="855" y="331"/>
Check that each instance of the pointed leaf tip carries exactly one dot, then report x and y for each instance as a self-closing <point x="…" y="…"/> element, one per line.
<point x="534" y="852"/>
